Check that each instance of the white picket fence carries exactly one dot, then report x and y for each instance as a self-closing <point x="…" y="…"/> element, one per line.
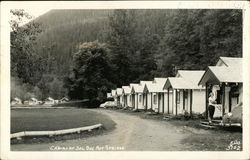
<point x="52" y="133"/>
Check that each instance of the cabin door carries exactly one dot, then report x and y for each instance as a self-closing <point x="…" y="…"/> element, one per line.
<point x="185" y="100"/>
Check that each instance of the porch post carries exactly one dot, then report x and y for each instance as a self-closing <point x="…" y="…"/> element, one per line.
<point x="230" y="100"/>
<point x="224" y="95"/>
<point x="168" y="100"/>
<point x="176" y="101"/>
<point x="137" y="100"/>
<point x="206" y="101"/>
<point x="151" y="101"/>
<point x="183" y="95"/>
<point x="191" y="101"/>
<point x="163" y="102"/>
<point x="158" y="94"/>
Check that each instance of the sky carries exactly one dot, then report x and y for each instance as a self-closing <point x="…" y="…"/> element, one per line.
<point x="36" y="12"/>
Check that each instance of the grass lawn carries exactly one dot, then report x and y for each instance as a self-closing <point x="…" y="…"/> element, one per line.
<point x="214" y="141"/>
<point x="56" y="119"/>
<point x="210" y="139"/>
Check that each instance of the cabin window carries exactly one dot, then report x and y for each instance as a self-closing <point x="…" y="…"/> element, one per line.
<point x="130" y="98"/>
<point x="235" y="91"/>
<point x="139" y="98"/>
<point x="155" y="100"/>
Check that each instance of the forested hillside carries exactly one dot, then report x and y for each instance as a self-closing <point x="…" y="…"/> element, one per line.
<point x="64" y="30"/>
<point x="134" y="44"/>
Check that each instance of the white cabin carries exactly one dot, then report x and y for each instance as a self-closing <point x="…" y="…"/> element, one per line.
<point x="113" y="94"/>
<point x="127" y="96"/>
<point x="225" y="80"/>
<point x="49" y="101"/>
<point x="137" y="93"/>
<point x="16" y="101"/>
<point x="119" y="96"/>
<point x="187" y="95"/>
<point x="33" y="101"/>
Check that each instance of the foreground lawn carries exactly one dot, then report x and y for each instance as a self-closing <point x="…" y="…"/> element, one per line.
<point x="56" y="119"/>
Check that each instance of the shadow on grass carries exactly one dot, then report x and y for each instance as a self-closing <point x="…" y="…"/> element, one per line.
<point x="56" y="119"/>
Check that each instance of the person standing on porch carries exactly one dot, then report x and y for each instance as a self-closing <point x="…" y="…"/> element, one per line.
<point x="211" y="107"/>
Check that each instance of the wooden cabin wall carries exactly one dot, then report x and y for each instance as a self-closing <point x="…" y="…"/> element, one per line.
<point x="199" y="101"/>
<point x="155" y="102"/>
<point x="140" y="103"/>
<point x="149" y="101"/>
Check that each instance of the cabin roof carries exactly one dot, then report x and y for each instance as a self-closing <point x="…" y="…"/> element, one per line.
<point x="126" y="89"/>
<point x="215" y="75"/>
<point x="142" y="83"/>
<point x="33" y="99"/>
<point x="137" y="88"/>
<point x="189" y="79"/>
<point x="65" y="98"/>
<point x="50" y="99"/>
<point x="156" y="86"/>
<point x="17" y="99"/>
<point x="230" y="61"/>
<point x="231" y="72"/>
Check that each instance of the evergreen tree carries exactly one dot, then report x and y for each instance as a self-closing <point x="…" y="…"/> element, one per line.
<point x="92" y="73"/>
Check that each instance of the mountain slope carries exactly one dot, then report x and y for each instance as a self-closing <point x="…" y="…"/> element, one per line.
<point x="64" y="29"/>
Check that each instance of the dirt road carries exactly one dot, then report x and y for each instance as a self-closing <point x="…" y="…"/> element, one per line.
<point x="131" y="133"/>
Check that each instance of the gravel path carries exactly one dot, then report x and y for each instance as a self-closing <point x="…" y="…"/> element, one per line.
<point x="132" y="134"/>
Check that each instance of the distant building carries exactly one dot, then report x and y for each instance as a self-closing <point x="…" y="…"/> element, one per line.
<point x="113" y="94"/>
<point x="63" y="100"/>
<point x="137" y="94"/>
<point x="109" y="95"/>
<point x="49" y="101"/>
<point x="120" y="98"/>
<point x="156" y="95"/>
<point x="127" y="96"/>
<point x="16" y="101"/>
<point x="133" y="95"/>
<point x="33" y="101"/>
<point x="144" y="95"/>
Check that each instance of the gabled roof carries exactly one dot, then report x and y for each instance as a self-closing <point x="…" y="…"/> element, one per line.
<point x="133" y="84"/>
<point x="229" y="72"/>
<point x="126" y="90"/>
<point x="113" y="92"/>
<point x="156" y="86"/>
<point x="33" y="99"/>
<point x="160" y="80"/>
<point x="142" y="83"/>
<point x="65" y="98"/>
<point x="216" y="75"/>
<point x="119" y="91"/>
<point x="17" y="99"/>
<point x="229" y="61"/>
<point x="188" y="79"/>
<point x="49" y="99"/>
<point x="159" y="84"/>
<point x="176" y="83"/>
<point x="137" y="88"/>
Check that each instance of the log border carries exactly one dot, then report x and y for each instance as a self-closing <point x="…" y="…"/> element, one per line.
<point x="53" y="133"/>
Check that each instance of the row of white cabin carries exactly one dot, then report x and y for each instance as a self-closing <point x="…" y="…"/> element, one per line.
<point x="188" y="90"/>
<point x="34" y="101"/>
